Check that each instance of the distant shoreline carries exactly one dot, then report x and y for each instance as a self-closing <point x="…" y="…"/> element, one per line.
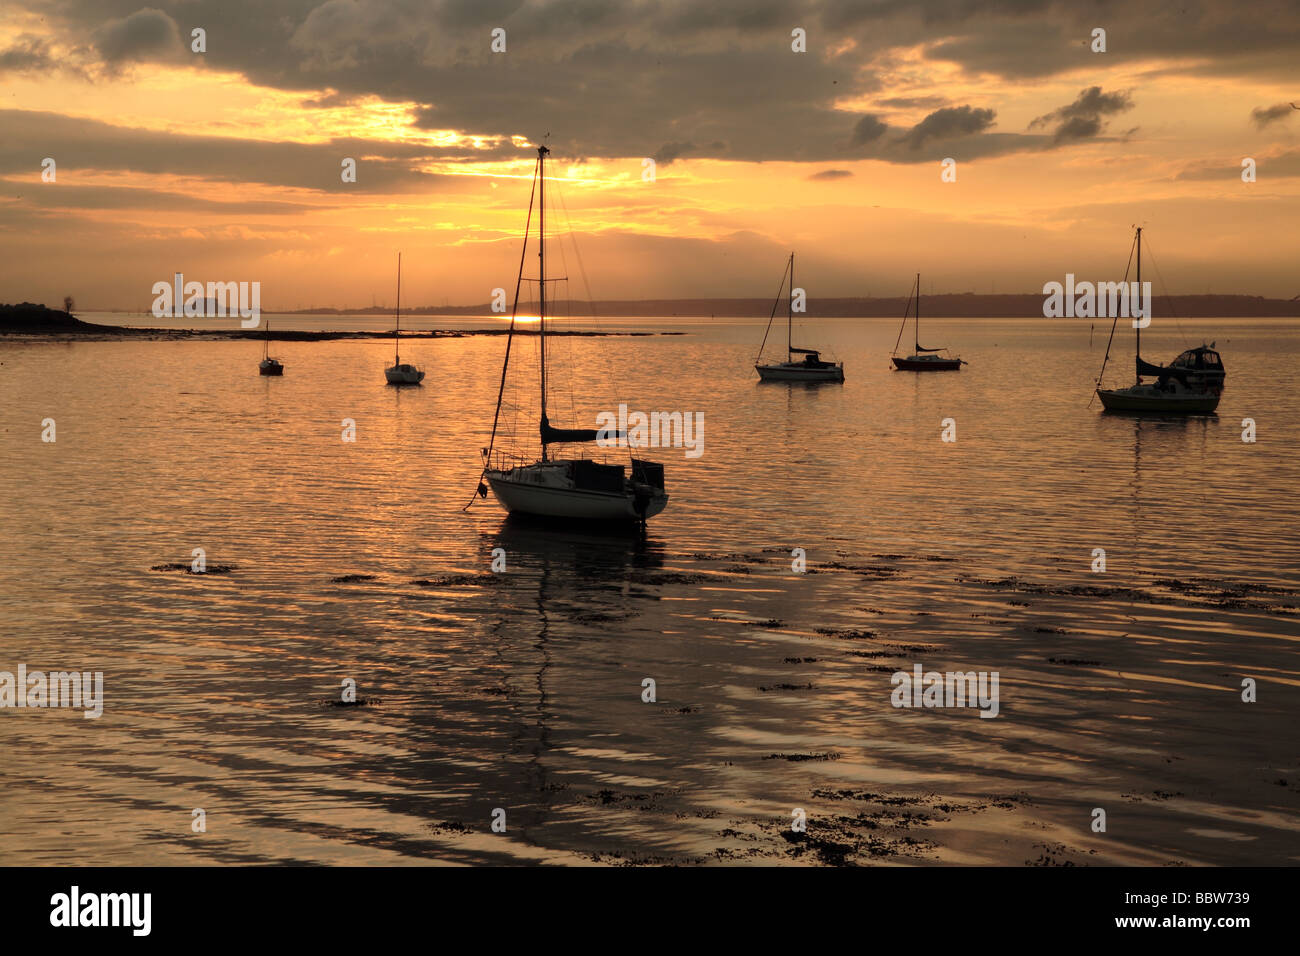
<point x="36" y="321"/>
<point x="945" y="306"/>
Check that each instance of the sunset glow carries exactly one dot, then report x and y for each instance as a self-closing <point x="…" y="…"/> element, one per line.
<point x="224" y="164"/>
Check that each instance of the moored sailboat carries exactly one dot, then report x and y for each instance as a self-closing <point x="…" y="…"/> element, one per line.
<point x="921" y="359"/>
<point x="810" y="368"/>
<point x="401" y="373"/>
<point x="570" y="488"/>
<point x="268" y="365"/>
<point x="1190" y="385"/>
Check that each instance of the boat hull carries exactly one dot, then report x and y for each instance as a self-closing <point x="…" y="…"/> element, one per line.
<point x="403" y="375"/>
<point x="798" y="372"/>
<point x="1146" y="399"/>
<point x="266" y="367"/>
<point x="914" y="364"/>
<point x="571" y="504"/>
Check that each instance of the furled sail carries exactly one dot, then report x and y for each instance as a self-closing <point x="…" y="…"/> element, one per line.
<point x="555" y="436"/>
<point x="1159" y="371"/>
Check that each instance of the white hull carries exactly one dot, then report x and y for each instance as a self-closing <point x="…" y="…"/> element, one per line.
<point x="798" y="372"/>
<point x="404" y="375"/>
<point x="1150" y="398"/>
<point x="542" y="492"/>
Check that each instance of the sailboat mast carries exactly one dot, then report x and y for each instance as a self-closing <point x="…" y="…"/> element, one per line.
<point x="397" y="327"/>
<point x="1139" y="284"/>
<point x="917" y="324"/>
<point x="789" y="321"/>
<point x="541" y="270"/>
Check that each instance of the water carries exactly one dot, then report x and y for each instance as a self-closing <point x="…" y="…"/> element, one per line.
<point x="523" y="690"/>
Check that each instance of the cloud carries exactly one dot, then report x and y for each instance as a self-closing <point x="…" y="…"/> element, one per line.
<point x="1042" y="38"/>
<point x="868" y="129"/>
<point x="77" y="143"/>
<point x="912" y="102"/>
<point x="1281" y="165"/>
<point x="668" y="153"/>
<point x="75" y="199"/>
<point x="1262" y="116"/>
<point x="146" y="34"/>
<point x="27" y="54"/>
<point x="330" y="99"/>
<point x="831" y="174"/>
<point x="624" y="80"/>
<point x="1083" y="119"/>
<point x="958" y="131"/>
<point x="950" y="122"/>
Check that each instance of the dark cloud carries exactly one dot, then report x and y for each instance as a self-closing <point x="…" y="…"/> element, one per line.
<point x="948" y="123"/>
<point x="1084" y="118"/>
<point x="27" y="54"/>
<point x="666" y="154"/>
<point x="1263" y="115"/>
<point x="77" y="144"/>
<point x="1041" y="38"/>
<point x="868" y="129"/>
<point x="831" y="174"/>
<point x="624" y="80"/>
<point x="146" y="34"/>
<point x="961" y="132"/>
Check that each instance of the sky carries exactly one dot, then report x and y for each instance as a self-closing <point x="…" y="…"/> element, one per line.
<point x="226" y="164"/>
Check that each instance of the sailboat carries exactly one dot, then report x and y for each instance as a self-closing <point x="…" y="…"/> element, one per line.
<point x="268" y="365"/>
<point x="1191" y="385"/>
<point x="401" y="373"/>
<point x="922" y="359"/>
<point x="571" y="488"/>
<point x="811" y="368"/>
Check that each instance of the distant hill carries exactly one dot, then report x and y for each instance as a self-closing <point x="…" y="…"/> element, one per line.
<point x="33" y="319"/>
<point x="962" y="305"/>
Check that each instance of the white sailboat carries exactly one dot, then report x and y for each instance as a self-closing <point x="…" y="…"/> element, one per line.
<point x="401" y="373"/>
<point x="1191" y="385"/>
<point x="570" y="488"/>
<point x="810" y="368"/>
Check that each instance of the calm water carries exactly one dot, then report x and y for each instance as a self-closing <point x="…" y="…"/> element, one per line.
<point x="522" y="690"/>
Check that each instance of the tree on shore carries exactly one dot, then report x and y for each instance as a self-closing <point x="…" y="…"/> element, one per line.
<point x="67" y="304"/>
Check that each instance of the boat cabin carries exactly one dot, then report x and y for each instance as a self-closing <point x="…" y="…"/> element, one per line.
<point x="813" y="359"/>
<point x="1203" y="359"/>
